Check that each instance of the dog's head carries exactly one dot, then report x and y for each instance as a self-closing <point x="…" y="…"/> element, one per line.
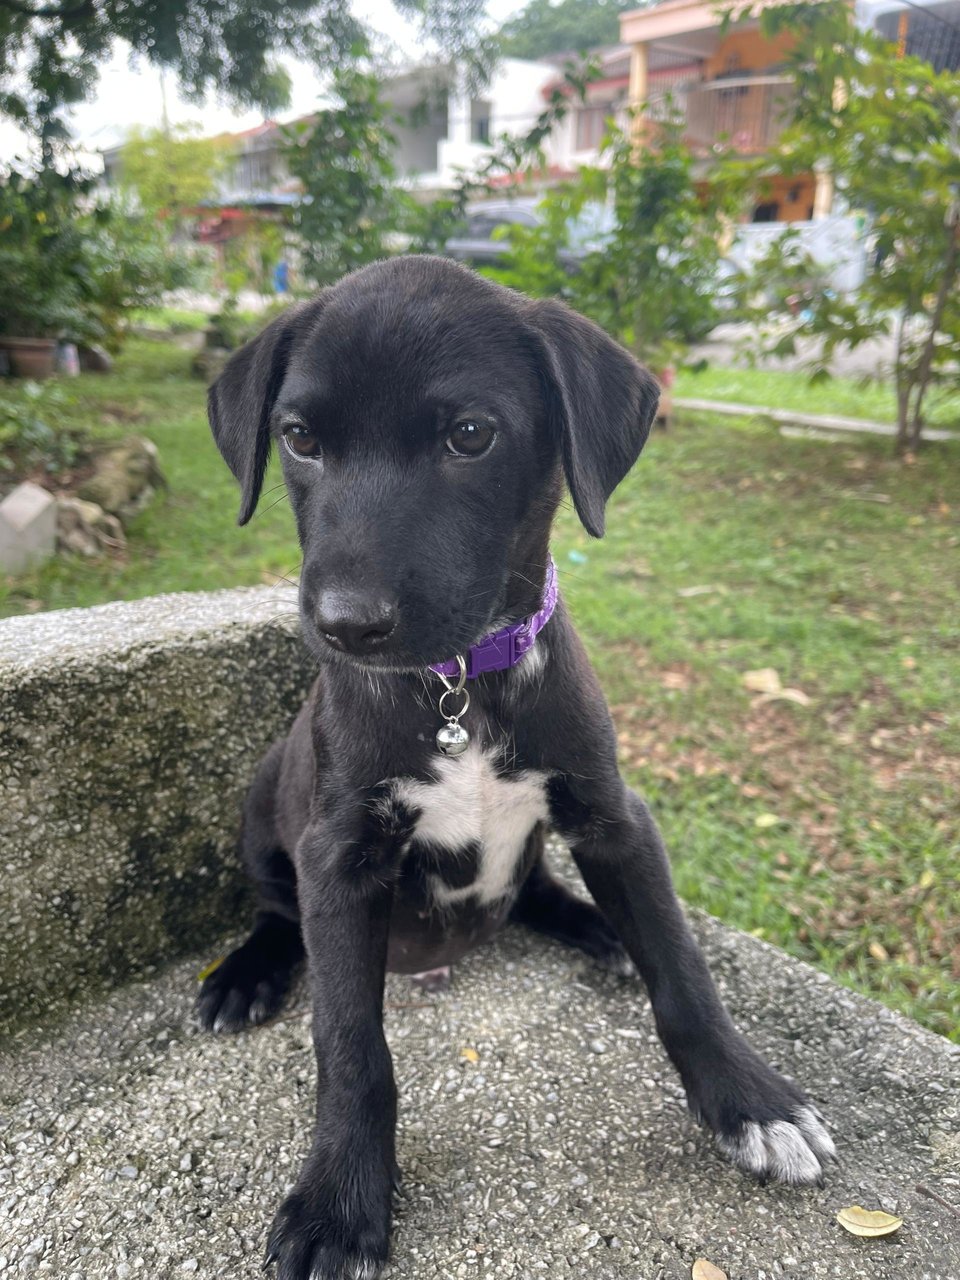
<point x="425" y="419"/>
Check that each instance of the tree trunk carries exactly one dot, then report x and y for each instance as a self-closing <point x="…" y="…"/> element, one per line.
<point x="902" y="443"/>
<point x="922" y="377"/>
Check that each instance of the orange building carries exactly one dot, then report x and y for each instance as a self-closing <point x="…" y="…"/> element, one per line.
<point x="733" y="89"/>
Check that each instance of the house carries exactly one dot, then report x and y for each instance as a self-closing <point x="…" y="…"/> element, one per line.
<point x="730" y="87"/>
<point x="576" y="138"/>
<point x="928" y="31"/>
<point x="441" y="131"/>
<point x="444" y="130"/>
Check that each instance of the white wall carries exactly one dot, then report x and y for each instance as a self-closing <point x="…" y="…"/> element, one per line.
<point x="515" y="94"/>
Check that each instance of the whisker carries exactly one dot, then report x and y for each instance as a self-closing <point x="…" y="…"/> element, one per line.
<point x="263" y="511"/>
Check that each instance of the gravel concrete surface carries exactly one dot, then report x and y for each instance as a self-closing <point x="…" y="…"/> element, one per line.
<point x="736" y="344"/>
<point x="135" y="1146"/>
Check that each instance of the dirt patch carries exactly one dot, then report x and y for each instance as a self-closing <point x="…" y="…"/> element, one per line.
<point x="114" y="412"/>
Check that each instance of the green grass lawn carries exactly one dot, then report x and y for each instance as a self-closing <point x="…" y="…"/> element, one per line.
<point x="187" y="541"/>
<point x="844" y="396"/>
<point x="828" y="826"/>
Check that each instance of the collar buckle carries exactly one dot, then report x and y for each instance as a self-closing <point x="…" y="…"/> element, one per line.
<point x="506" y="647"/>
<point x="495" y="653"/>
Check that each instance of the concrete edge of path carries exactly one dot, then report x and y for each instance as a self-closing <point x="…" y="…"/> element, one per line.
<point x="789" y="417"/>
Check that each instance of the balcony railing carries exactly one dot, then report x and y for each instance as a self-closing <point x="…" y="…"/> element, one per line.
<point x="747" y="114"/>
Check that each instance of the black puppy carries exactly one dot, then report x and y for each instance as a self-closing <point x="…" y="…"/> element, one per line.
<point x="426" y="420"/>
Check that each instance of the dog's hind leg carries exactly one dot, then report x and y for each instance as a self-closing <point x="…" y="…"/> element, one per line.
<point x="249" y="985"/>
<point x="547" y="906"/>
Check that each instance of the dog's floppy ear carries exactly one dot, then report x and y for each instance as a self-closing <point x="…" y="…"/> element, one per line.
<point x="240" y="401"/>
<point x="601" y="402"/>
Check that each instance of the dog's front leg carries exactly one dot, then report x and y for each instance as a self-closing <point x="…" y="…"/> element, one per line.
<point x="335" y="1223"/>
<point x="762" y="1122"/>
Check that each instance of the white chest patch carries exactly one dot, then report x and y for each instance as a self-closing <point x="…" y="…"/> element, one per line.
<point x="470" y="804"/>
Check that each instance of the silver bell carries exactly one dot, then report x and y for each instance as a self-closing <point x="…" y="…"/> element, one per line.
<point x="453" y="739"/>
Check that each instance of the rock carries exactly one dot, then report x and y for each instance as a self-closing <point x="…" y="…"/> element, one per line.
<point x="28" y="528"/>
<point x="126" y="478"/>
<point x="94" y="359"/>
<point x="86" y="529"/>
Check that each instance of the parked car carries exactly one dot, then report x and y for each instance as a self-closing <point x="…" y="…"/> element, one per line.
<point x="483" y="243"/>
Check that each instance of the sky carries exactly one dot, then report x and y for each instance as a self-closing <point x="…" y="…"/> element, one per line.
<point x="129" y="94"/>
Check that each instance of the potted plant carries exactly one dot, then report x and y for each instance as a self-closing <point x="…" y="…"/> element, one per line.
<point x="38" y="288"/>
<point x="72" y="266"/>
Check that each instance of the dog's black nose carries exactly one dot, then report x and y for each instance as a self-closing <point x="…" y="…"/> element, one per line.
<point x="355" y="623"/>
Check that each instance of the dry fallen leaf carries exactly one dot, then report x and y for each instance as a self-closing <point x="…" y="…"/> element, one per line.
<point x="878" y="951"/>
<point x="868" y="1222"/>
<point x="632" y="571"/>
<point x="675" y="680"/>
<point x="783" y="695"/>
<point x="706" y="589"/>
<point x="764" y="680"/>
<point x="704" y="1270"/>
<point x="471" y="1055"/>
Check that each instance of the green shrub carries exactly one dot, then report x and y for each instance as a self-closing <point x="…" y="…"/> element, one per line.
<point x="32" y="435"/>
<point x="650" y="279"/>
<point x="72" y="265"/>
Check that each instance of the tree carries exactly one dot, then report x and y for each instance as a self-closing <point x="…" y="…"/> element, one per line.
<point x="54" y="47"/>
<point x="171" y="170"/>
<point x="569" y="25"/>
<point x="57" y="45"/>
<point x="343" y="158"/>
<point x="888" y="129"/>
<point x="649" y="275"/>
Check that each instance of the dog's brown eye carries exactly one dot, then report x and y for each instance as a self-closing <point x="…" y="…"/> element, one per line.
<point x="470" y="439"/>
<point x="302" y="441"/>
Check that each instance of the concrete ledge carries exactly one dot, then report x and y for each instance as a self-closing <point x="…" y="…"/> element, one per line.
<point x="133" y="1146"/>
<point x="790" y="417"/>
<point x="128" y="733"/>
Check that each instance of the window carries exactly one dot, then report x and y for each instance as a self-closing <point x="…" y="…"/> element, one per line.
<point x="480" y="122"/>
<point x="591" y="125"/>
<point x="768" y="212"/>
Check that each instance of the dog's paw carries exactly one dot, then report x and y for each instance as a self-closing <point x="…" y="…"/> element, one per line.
<point x="795" y="1151"/>
<point x="242" y="991"/>
<point x="615" y="960"/>
<point x="598" y="940"/>
<point x="309" y="1243"/>
<point x="432" y="981"/>
<point x="762" y="1123"/>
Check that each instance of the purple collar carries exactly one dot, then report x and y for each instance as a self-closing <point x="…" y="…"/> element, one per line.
<point x="506" y="647"/>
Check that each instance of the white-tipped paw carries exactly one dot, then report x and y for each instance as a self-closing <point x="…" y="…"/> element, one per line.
<point x="794" y="1151"/>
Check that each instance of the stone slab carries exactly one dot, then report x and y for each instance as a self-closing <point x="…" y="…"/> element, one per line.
<point x="28" y="528"/>
<point x="132" y="1145"/>
<point x="128" y="734"/>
